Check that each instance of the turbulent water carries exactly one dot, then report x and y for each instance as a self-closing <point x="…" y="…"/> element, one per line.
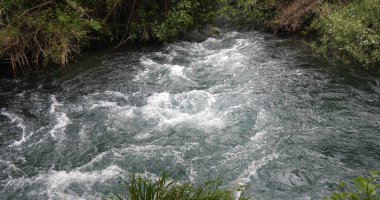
<point x="256" y="110"/>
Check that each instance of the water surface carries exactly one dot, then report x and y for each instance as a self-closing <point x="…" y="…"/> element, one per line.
<point x="257" y="110"/>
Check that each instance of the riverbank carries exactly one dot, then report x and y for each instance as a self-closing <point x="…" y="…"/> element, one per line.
<point x="34" y="33"/>
<point x="346" y="30"/>
<point x="42" y="32"/>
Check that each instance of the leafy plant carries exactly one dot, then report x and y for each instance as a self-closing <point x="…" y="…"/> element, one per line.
<point x="350" y="34"/>
<point x="364" y="189"/>
<point x="140" y="188"/>
<point x="45" y="31"/>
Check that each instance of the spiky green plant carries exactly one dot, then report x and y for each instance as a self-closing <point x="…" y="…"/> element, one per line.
<point x="140" y="188"/>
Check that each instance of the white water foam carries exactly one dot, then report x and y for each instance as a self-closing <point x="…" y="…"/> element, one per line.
<point x="167" y="56"/>
<point x="156" y="71"/>
<point x="149" y="65"/>
<point x="192" y="174"/>
<point x="147" y="152"/>
<point x="57" y="184"/>
<point x="245" y="177"/>
<point x="231" y="34"/>
<point x="61" y="119"/>
<point x="148" y="62"/>
<point x="116" y="94"/>
<point x="192" y="49"/>
<point x="61" y="122"/>
<point x="211" y="41"/>
<point x="82" y="134"/>
<point x="142" y="136"/>
<point x="23" y="136"/>
<point x="150" y="151"/>
<point x="176" y="70"/>
<point x="94" y="102"/>
<point x="20" y="123"/>
<point x="54" y="104"/>
<point x="11" y="168"/>
<point x="229" y="58"/>
<point x="103" y="104"/>
<point x="144" y="152"/>
<point x="259" y="136"/>
<point x="11" y="116"/>
<point x="194" y="107"/>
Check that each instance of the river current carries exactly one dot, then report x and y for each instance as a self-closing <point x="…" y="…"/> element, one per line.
<point x="259" y="111"/>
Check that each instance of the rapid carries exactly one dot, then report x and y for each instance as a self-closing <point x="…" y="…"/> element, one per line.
<point x="260" y="112"/>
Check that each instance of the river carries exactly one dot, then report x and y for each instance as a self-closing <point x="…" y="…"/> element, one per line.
<point x="257" y="110"/>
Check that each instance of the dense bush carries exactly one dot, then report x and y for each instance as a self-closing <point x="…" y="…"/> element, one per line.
<point x="43" y="31"/>
<point x="351" y="33"/>
<point x="52" y="30"/>
<point x="31" y="31"/>
<point x="274" y="15"/>
<point x="347" y="29"/>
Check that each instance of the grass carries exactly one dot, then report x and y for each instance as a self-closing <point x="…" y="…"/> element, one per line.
<point x="140" y="188"/>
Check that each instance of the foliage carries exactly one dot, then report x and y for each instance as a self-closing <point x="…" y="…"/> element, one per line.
<point x="346" y="29"/>
<point x="163" y="189"/>
<point x="296" y="15"/>
<point x="55" y="30"/>
<point x="351" y="33"/>
<point x="169" y="19"/>
<point x="275" y="15"/>
<point x="49" y="29"/>
<point x="258" y="13"/>
<point x="45" y="31"/>
<point x="364" y="189"/>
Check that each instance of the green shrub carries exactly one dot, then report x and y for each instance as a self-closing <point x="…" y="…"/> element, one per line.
<point x="163" y="189"/>
<point x="352" y="33"/>
<point x="349" y="30"/>
<point x="54" y="31"/>
<point x="364" y="189"/>
<point x="257" y="13"/>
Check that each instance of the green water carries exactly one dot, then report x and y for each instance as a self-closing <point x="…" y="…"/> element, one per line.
<point x="257" y="110"/>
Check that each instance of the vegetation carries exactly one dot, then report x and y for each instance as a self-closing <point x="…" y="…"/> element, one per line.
<point x="139" y="188"/>
<point x="347" y="29"/>
<point x="45" y="31"/>
<point x="364" y="189"/>
<point x="273" y="15"/>
<point x="351" y="33"/>
<point x="51" y="30"/>
<point x="55" y="30"/>
<point x="163" y="189"/>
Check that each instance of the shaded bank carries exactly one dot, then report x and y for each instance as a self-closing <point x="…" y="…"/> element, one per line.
<point x="39" y="32"/>
<point x="347" y="30"/>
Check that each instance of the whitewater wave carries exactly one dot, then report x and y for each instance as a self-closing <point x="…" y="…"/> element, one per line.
<point x="194" y="107"/>
<point x="15" y="119"/>
<point x="63" y="184"/>
<point x="61" y="118"/>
